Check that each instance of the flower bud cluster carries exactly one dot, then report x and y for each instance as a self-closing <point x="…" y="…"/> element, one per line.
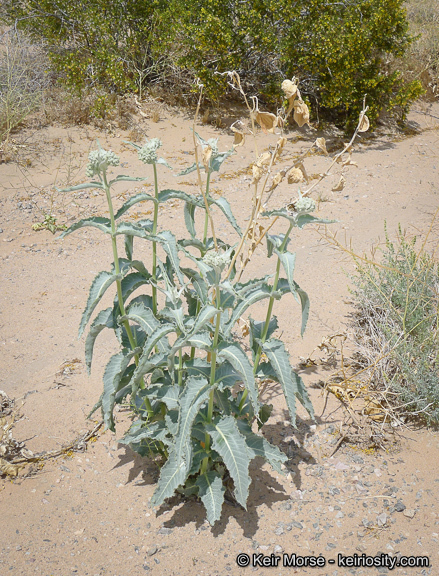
<point x="99" y="160"/>
<point x="304" y="205"/>
<point x="148" y="152"/>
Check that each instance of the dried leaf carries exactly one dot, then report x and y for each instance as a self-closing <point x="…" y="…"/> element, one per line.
<point x="349" y="162"/>
<point x="364" y="123"/>
<point x="321" y="143"/>
<point x="266" y="120"/>
<point x="339" y="187"/>
<point x="295" y="175"/>
<point x="301" y="113"/>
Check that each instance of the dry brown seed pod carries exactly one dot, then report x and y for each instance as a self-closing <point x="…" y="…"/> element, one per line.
<point x="301" y="113"/>
<point x="257" y="173"/>
<point x="295" y="175"/>
<point x="277" y="179"/>
<point x="339" y="187"/>
<point x="321" y="143"/>
<point x="289" y="88"/>
<point x="364" y="124"/>
<point x="266" y="120"/>
<point x="207" y="153"/>
<point x="264" y="158"/>
<point x="239" y="139"/>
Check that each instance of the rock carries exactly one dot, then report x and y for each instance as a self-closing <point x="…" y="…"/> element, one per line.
<point x="382" y="519"/>
<point x="165" y="531"/>
<point x="296" y="524"/>
<point x="409" y="513"/>
<point x="277" y="549"/>
<point x="399" y="506"/>
<point x="152" y="551"/>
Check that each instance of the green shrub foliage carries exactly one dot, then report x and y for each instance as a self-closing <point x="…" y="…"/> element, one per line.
<point x="339" y="50"/>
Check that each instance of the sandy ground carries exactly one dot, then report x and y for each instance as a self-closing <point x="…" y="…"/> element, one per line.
<point x="87" y="513"/>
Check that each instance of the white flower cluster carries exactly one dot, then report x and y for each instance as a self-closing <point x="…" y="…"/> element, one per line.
<point x="215" y="259"/>
<point x="148" y="152"/>
<point x="304" y="205"/>
<point x="99" y="160"/>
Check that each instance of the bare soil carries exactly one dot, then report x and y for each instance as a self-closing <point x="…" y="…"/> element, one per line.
<point x="87" y="512"/>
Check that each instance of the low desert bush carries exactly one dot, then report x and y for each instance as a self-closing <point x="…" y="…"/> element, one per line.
<point x="397" y="326"/>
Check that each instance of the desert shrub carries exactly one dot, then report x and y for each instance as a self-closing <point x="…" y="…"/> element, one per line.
<point x="339" y="50"/>
<point x="94" y="44"/>
<point x="397" y="326"/>
<point x="23" y="79"/>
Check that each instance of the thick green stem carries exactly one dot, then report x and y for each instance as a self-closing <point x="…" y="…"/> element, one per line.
<point x="270" y="303"/>
<point x="126" y="324"/>
<point x="154" y="244"/>
<point x="206" y="218"/>
<point x="205" y="462"/>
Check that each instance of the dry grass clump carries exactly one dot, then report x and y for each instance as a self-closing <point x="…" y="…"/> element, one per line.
<point x="422" y="60"/>
<point x="24" y="77"/>
<point x="396" y="328"/>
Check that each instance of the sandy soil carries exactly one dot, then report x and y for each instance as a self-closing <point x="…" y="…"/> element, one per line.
<point x="87" y="513"/>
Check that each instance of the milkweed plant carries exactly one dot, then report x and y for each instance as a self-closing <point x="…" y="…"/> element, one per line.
<point x="192" y="382"/>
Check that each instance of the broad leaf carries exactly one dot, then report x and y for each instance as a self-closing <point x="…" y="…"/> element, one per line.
<point x="102" y="224"/>
<point x="288" y="262"/>
<point x="257" y="328"/>
<point x="223" y="204"/>
<point x="196" y="393"/>
<point x="283" y="286"/>
<point x="288" y="379"/>
<point x="123" y="178"/>
<point x="131" y="229"/>
<point x="172" y="475"/>
<point x="234" y="354"/>
<point x="98" y="287"/>
<point x="103" y="320"/>
<point x="131" y="201"/>
<point x="211" y="491"/>
<point x="169" y="244"/>
<point x="231" y="446"/>
<point x="260" y="447"/>
<point x="112" y="378"/>
<point x="189" y="218"/>
<point x="275" y="241"/>
<point x="264" y="291"/>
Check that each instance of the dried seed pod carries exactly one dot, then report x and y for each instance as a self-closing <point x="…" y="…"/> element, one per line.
<point x="207" y="153"/>
<point x="339" y="187"/>
<point x="363" y="124"/>
<point x="295" y="175"/>
<point x="239" y="138"/>
<point x="301" y="113"/>
<point x="258" y="172"/>
<point x="264" y="158"/>
<point x="277" y="179"/>
<point x="289" y="88"/>
<point x="266" y="120"/>
<point x="321" y="143"/>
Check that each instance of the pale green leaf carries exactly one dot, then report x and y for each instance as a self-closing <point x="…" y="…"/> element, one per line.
<point x="211" y="491"/>
<point x="230" y="444"/>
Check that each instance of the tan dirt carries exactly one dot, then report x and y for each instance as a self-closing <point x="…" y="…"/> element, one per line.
<point x="87" y="513"/>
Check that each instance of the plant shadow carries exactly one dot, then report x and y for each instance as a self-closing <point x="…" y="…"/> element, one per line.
<point x="267" y="488"/>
